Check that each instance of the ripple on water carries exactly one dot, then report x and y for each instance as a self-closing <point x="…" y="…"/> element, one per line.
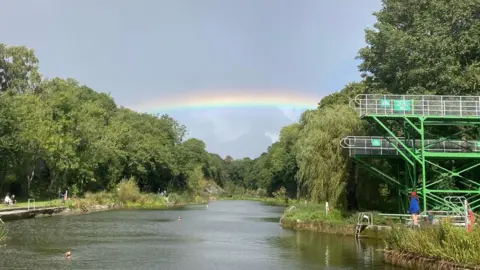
<point x="226" y="235"/>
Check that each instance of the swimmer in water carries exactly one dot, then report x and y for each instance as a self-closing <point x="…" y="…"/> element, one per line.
<point x="68" y="254"/>
<point x="179" y="218"/>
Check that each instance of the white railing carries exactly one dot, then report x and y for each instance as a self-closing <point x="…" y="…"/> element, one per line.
<point x="28" y="204"/>
<point x="419" y="105"/>
<point x="377" y="145"/>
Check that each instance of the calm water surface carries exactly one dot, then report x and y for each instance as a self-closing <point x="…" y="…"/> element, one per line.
<point x="225" y="235"/>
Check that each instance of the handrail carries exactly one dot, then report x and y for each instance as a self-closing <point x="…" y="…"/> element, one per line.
<point x="417" y="105"/>
<point x="288" y="210"/>
<point x="28" y="204"/>
<point x="353" y="106"/>
<point x="343" y="143"/>
<point x="391" y="144"/>
<point x="4" y="231"/>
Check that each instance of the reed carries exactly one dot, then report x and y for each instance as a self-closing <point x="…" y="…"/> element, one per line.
<point x="443" y="243"/>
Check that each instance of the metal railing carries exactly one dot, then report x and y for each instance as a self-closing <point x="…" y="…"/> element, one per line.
<point x="28" y="204"/>
<point x="288" y="210"/>
<point x="418" y="105"/>
<point x="377" y="145"/>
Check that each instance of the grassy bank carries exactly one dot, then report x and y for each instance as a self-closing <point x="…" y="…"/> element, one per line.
<point x="443" y="245"/>
<point x="128" y="196"/>
<point x="316" y="212"/>
<point x="433" y="247"/>
<point x="125" y="195"/>
<point x="265" y="200"/>
<point x="313" y="217"/>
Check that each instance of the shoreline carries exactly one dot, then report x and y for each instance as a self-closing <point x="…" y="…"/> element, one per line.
<point x="66" y="210"/>
<point x="264" y="200"/>
<point x="110" y="207"/>
<point x="336" y="228"/>
<point x="391" y="257"/>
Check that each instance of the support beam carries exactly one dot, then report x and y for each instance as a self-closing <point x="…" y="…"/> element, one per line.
<point x="424" y="172"/>
<point x="396" y="139"/>
<point x="377" y="171"/>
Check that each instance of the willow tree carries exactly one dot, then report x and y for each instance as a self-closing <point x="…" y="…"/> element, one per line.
<point x="323" y="165"/>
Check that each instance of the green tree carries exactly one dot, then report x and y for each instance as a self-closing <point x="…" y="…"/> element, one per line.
<point x="323" y="165"/>
<point x="18" y="69"/>
<point x="423" y="47"/>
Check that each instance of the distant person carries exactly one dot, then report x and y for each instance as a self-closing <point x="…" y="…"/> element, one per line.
<point x="7" y="200"/>
<point x="63" y="196"/>
<point x="414" y="208"/>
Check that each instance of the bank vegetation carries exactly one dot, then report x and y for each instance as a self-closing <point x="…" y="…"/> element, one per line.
<point x="440" y="247"/>
<point x="127" y="195"/>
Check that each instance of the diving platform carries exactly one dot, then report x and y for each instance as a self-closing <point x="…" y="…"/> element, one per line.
<point x="388" y="146"/>
<point x="430" y="106"/>
<point x="405" y="125"/>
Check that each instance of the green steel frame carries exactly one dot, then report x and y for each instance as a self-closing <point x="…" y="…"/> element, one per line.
<point x="418" y="160"/>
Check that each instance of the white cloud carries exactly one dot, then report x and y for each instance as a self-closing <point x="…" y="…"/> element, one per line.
<point x="225" y="128"/>
<point x="239" y="132"/>
<point x="291" y="113"/>
<point x="274" y="137"/>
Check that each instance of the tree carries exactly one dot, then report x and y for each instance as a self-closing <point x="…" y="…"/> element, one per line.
<point x="58" y="134"/>
<point x="423" y="47"/>
<point x="323" y="165"/>
<point x="18" y="69"/>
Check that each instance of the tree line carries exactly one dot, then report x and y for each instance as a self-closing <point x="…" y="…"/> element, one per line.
<point x="56" y="134"/>
<point x="416" y="48"/>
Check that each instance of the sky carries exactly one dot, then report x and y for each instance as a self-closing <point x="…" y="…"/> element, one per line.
<point x="234" y="72"/>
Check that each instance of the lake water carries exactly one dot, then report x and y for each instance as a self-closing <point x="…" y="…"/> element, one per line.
<point x="225" y="235"/>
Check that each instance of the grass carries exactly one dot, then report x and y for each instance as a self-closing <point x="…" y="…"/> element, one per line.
<point x="128" y="195"/>
<point x="316" y="212"/>
<point x="265" y="200"/>
<point x="41" y="203"/>
<point x="125" y="195"/>
<point x="444" y="242"/>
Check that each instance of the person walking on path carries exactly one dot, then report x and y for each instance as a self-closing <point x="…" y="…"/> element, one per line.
<point x="414" y="208"/>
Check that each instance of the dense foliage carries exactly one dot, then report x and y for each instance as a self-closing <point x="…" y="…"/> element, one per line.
<point x="416" y="47"/>
<point x="57" y="134"/>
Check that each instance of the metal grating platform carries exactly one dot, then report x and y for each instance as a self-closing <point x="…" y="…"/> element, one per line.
<point x="416" y="105"/>
<point x="379" y="146"/>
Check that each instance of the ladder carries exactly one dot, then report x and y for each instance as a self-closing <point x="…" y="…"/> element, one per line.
<point x="3" y="230"/>
<point x="85" y="209"/>
<point x="364" y="219"/>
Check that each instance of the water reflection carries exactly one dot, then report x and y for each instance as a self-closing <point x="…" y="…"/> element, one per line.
<point x="332" y="251"/>
<point x="226" y="235"/>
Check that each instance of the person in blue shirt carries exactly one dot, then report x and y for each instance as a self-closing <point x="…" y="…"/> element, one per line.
<point x="414" y="208"/>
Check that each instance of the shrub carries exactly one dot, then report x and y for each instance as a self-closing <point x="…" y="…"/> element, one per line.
<point x="444" y="242"/>
<point x="128" y="191"/>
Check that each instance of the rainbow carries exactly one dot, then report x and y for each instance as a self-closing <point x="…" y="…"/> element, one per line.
<point x="228" y="99"/>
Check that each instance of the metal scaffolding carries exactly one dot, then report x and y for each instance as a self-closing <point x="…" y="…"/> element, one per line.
<point x="405" y="121"/>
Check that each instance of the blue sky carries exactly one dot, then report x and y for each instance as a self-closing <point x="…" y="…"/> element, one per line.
<point x="146" y="49"/>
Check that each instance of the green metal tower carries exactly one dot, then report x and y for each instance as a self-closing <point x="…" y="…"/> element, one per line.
<point x="406" y="123"/>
